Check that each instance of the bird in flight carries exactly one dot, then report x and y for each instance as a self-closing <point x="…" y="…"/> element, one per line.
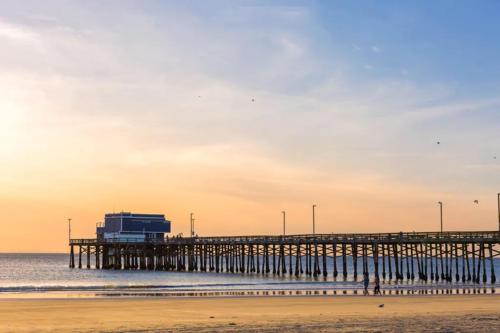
<point x="476" y="201"/>
<point x="439" y="142"/>
<point x="253" y="100"/>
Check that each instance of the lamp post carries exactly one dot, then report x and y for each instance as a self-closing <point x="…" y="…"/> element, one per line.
<point x="498" y="212"/>
<point x="314" y="221"/>
<point x="441" y="213"/>
<point x="69" y="229"/>
<point x="284" y="222"/>
<point x="191" y="218"/>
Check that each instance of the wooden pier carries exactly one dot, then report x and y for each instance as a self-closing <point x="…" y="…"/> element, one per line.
<point x="425" y="256"/>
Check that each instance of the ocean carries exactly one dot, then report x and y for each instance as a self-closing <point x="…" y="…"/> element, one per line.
<point x="48" y="275"/>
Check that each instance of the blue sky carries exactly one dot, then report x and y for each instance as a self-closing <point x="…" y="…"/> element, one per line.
<point x="350" y="99"/>
<point x="454" y="42"/>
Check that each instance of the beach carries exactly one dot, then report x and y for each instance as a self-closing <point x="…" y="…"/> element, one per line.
<point x="443" y="313"/>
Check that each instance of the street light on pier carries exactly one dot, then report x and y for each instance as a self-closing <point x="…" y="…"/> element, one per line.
<point x="314" y="221"/>
<point x="441" y="213"/>
<point x="284" y="222"/>
<point x="69" y="229"/>
<point x="191" y="219"/>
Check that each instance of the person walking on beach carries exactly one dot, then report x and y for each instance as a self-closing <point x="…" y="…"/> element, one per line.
<point x="366" y="282"/>
<point x="376" y="290"/>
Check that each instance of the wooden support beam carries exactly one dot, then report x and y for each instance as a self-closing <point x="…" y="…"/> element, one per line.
<point x="80" y="256"/>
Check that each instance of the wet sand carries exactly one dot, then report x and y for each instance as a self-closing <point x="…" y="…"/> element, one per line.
<point x="443" y="313"/>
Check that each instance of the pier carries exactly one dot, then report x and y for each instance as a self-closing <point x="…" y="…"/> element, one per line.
<point x="425" y="256"/>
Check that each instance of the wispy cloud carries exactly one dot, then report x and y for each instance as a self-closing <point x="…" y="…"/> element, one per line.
<point x="356" y="47"/>
<point x="17" y="33"/>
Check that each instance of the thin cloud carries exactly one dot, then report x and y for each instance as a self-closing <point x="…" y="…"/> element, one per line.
<point x="16" y="32"/>
<point x="356" y="47"/>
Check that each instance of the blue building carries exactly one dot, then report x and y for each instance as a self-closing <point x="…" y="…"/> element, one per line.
<point x="133" y="227"/>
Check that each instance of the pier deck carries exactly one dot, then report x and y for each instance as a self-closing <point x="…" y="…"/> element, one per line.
<point x="427" y="256"/>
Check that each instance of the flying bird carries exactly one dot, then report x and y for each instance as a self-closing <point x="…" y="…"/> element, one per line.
<point x="253" y="100"/>
<point x="381" y="306"/>
<point x="439" y="142"/>
<point x="476" y="201"/>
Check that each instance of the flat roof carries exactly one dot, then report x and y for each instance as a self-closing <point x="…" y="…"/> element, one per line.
<point x="127" y="214"/>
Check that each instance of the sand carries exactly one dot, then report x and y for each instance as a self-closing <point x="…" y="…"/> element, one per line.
<point x="450" y="313"/>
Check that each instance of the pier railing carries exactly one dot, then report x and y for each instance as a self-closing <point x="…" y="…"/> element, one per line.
<point x="453" y="236"/>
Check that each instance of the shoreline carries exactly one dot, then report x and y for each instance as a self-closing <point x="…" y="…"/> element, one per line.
<point x="152" y="294"/>
<point x="479" y="313"/>
<point x="210" y="296"/>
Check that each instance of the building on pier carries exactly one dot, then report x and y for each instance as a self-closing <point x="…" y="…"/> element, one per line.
<point x="133" y="227"/>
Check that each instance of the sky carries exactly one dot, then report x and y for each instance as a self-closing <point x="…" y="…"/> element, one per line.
<point x="238" y="110"/>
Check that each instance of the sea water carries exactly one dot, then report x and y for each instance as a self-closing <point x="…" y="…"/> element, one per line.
<point x="37" y="275"/>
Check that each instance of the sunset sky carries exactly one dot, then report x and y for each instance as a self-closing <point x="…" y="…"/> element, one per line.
<point x="237" y="110"/>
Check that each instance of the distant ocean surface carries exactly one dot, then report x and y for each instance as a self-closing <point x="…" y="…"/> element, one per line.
<point x="48" y="274"/>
